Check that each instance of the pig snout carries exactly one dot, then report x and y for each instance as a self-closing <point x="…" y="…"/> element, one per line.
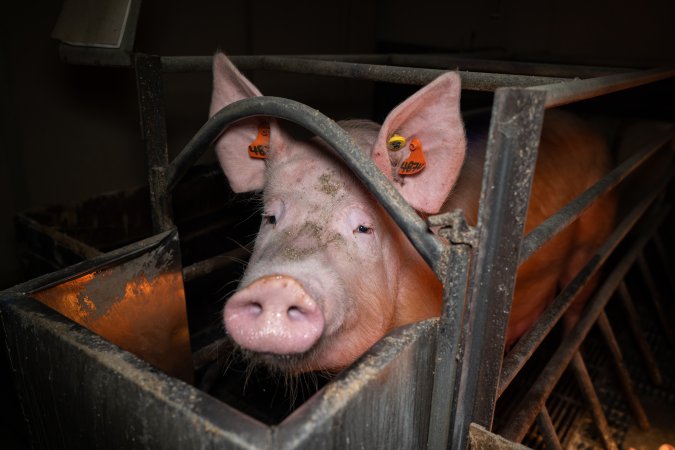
<point x="274" y="314"/>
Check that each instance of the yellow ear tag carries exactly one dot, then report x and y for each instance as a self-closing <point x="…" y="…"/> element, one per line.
<point x="260" y="146"/>
<point x="415" y="162"/>
<point x="396" y="142"/>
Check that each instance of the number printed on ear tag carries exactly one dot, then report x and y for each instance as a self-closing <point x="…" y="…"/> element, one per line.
<point x="260" y="146"/>
<point x="415" y="162"/>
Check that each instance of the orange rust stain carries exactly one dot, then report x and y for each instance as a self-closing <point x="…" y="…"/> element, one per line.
<point x="149" y="320"/>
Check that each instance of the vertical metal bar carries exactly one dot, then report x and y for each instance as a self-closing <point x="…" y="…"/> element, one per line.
<point x="588" y="392"/>
<point x="622" y="372"/>
<point x="148" y="69"/>
<point x="632" y="317"/>
<point x="655" y="297"/>
<point x="449" y="333"/>
<point x="513" y="140"/>
<point x="548" y="430"/>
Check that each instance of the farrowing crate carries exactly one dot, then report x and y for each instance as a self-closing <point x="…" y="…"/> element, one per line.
<point x="423" y="385"/>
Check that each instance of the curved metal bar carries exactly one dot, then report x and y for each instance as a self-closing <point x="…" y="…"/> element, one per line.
<point x="403" y="214"/>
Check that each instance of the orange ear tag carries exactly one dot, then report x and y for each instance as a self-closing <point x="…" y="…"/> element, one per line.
<point x="415" y="162"/>
<point x="260" y="146"/>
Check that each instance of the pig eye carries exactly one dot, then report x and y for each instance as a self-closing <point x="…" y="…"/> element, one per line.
<point x="362" y="229"/>
<point x="270" y="219"/>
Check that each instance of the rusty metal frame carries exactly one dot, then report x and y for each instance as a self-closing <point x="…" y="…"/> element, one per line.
<point x="474" y="369"/>
<point x="478" y="268"/>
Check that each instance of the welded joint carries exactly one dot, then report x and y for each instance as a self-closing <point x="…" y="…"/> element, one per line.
<point x="452" y="227"/>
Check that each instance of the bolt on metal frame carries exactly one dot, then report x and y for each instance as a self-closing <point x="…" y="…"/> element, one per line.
<point x="470" y="374"/>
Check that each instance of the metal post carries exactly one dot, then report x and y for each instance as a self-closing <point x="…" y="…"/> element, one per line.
<point x="513" y="139"/>
<point x="588" y="392"/>
<point x="622" y="372"/>
<point x="633" y="323"/>
<point x="548" y="430"/>
<point x="153" y="127"/>
<point x="449" y="335"/>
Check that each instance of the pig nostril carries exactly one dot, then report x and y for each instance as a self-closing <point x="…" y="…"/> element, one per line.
<point x="255" y="308"/>
<point x="294" y="313"/>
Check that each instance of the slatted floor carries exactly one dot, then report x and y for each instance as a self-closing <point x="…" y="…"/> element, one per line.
<point x="571" y="417"/>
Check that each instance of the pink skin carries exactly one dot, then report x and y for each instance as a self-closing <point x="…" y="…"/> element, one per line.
<point x="326" y="230"/>
<point x="276" y="315"/>
<point x="330" y="272"/>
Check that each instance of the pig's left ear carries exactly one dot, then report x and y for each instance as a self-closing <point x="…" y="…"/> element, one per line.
<point x="243" y="167"/>
<point x="430" y="123"/>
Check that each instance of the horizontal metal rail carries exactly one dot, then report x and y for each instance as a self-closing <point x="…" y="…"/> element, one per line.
<point x="530" y="341"/>
<point x="403" y="214"/>
<point x="447" y="61"/>
<point x="474" y="81"/>
<point x="570" y="212"/>
<point x="206" y="266"/>
<point x="576" y="90"/>
<point x="529" y="407"/>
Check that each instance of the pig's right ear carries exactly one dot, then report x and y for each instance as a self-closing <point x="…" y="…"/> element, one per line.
<point x="430" y="124"/>
<point x="244" y="172"/>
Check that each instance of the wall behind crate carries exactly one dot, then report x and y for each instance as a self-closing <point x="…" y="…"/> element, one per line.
<point x="68" y="133"/>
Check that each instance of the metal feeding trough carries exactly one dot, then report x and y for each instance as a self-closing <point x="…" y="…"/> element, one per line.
<point x="119" y="372"/>
<point x="79" y="390"/>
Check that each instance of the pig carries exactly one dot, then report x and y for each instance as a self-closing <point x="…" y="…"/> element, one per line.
<point x="331" y="273"/>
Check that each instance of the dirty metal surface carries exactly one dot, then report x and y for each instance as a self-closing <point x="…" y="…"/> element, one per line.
<point x="79" y="391"/>
<point x="138" y="305"/>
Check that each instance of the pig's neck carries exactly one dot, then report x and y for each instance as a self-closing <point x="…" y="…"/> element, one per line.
<point x="419" y="291"/>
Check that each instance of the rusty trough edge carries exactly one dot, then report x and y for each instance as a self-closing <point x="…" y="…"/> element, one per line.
<point x="125" y="370"/>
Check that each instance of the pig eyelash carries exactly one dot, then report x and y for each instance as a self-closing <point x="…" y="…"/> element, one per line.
<point x="363" y="229"/>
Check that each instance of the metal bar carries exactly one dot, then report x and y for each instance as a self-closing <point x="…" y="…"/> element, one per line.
<point x="102" y="262"/>
<point x="541" y="389"/>
<point x="374" y="180"/>
<point x="148" y="70"/>
<point x="474" y="81"/>
<point x="71" y="244"/>
<point x="622" y="372"/>
<point x="573" y="91"/>
<point x="655" y="298"/>
<point x="570" y="212"/>
<point x="431" y="61"/>
<point x="502" y="66"/>
<point x="530" y="341"/>
<point x="511" y="153"/>
<point x="548" y="430"/>
<point x="589" y="394"/>
<point x="206" y="266"/>
<point x="481" y="439"/>
<point x="449" y="334"/>
<point x="633" y="317"/>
